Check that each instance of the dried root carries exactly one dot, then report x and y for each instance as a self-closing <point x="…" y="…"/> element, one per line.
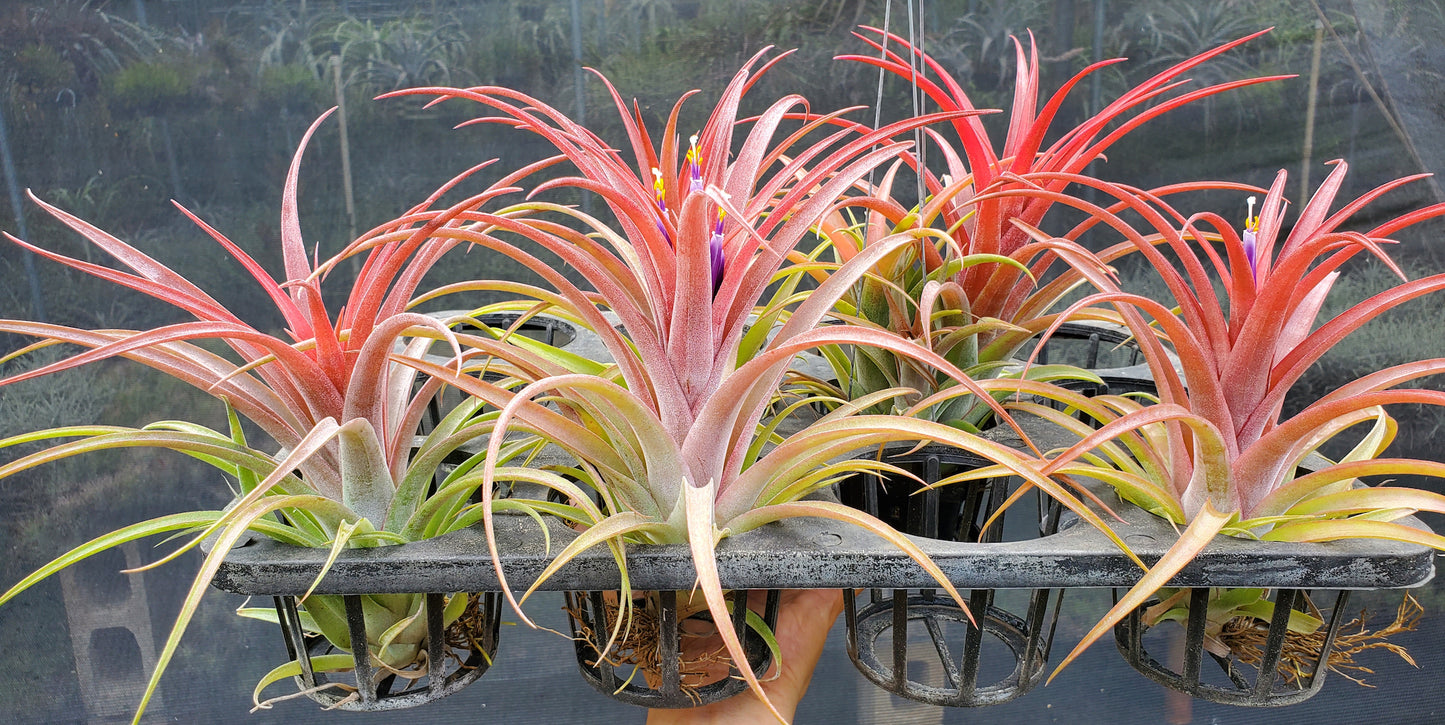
<point x="1246" y="637"/>
<point x="702" y="656"/>
<point x="462" y="635"/>
<point x="460" y="638"/>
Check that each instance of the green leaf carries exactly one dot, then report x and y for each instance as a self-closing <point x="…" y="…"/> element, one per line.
<point x="612" y="527"/>
<point x="226" y="539"/>
<point x="1335" y="529"/>
<point x="160" y="525"/>
<point x="246" y="477"/>
<point x="343" y="534"/>
<point x="1367" y="499"/>
<point x="319" y="663"/>
<point x="366" y="485"/>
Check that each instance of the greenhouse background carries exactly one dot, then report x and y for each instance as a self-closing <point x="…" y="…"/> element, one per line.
<point x="112" y="109"/>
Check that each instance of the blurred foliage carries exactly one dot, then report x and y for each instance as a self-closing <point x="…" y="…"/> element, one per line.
<point x="152" y="89"/>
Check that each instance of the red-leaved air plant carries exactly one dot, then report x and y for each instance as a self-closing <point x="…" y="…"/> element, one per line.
<point x="971" y="287"/>
<point x="331" y="393"/>
<point x="672" y="432"/>
<point x="1215" y="452"/>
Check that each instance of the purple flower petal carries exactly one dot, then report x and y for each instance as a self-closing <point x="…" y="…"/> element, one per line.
<point x="1249" y="250"/>
<point x="715" y="253"/>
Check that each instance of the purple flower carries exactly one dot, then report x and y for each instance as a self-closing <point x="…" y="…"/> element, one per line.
<point x="1251" y="227"/>
<point x="694" y="170"/>
<point x="661" y="194"/>
<point x="715" y="252"/>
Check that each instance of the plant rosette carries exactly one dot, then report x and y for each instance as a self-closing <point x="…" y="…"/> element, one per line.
<point x="335" y="396"/>
<point x="970" y="287"/>
<point x="670" y="437"/>
<point x="1220" y="458"/>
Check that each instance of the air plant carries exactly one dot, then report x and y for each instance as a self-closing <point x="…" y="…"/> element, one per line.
<point x="333" y="396"/>
<point x="670" y="439"/>
<point x="1214" y="453"/>
<point x="971" y="287"/>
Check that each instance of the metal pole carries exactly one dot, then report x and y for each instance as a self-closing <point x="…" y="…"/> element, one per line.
<point x="345" y="155"/>
<point x="581" y="75"/>
<point x="580" y="79"/>
<point x="37" y="303"/>
<point x="1307" y="153"/>
<point x="1096" y="81"/>
<point x="1096" y="84"/>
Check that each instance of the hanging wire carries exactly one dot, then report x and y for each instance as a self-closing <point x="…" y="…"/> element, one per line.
<point x="878" y="100"/>
<point x="867" y="219"/>
<point x="915" y="59"/>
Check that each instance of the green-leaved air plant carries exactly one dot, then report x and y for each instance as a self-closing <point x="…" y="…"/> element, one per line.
<point x="671" y="438"/>
<point x="334" y="396"/>
<point x="976" y="287"/>
<point x="1215" y="453"/>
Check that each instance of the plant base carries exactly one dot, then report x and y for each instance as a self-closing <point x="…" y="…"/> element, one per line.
<point x="1282" y="675"/>
<point x="659" y="668"/>
<point x="463" y="650"/>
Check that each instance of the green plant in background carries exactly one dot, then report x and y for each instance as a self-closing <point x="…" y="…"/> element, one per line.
<point x="970" y="288"/>
<point x="977" y="42"/>
<point x="1176" y="32"/>
<point x="670" y="439"/>
<point x="40" y="69"/>
<point x="333" y="396"/>
<point x="70" y="44"/>
<point x="399" y="53"/>
<point x="287" y="87"/>
<point x="152" y="89"/>
<point x="1215" y="452"/>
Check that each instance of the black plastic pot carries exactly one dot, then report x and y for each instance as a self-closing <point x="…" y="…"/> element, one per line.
<point x="1090" y="345"/>
<point x="673" y="679"/>
<point x="542" y="328"/>
<point x="1267" y="683"/>
<point x="1105" y="349"/>
<point x="465" y="651"/>
<point x="895" y="626"/>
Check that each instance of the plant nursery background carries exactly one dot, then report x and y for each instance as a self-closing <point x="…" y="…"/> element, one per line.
<point x="112" y="109"/>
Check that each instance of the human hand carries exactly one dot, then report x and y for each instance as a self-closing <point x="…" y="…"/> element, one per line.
<point x="804" y="618"/>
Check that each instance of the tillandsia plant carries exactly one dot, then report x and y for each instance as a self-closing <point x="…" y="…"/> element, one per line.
<point x="970" y="288"/>
<point x="332" y="395"/>
<point x="670" y="438"/>
<point x="1215" y="452"/>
